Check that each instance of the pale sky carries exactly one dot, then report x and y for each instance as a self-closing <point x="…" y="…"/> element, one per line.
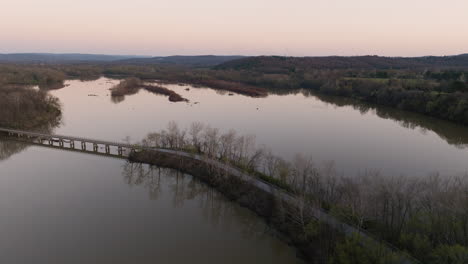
<point x="247" y="27"/>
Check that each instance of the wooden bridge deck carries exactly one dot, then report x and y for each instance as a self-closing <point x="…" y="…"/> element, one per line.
<point x="64" y="141"/>
<point x="63" y="137"/>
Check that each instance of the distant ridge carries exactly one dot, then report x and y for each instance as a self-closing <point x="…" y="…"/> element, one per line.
<point x="61" y="58"/>
<point x="273" y="63"/>
<point x="262" y="63"/>
<point x="193" y="61"/>
<point x="51" y="58"/>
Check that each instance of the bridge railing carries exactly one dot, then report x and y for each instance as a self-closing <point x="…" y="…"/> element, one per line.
<point x="64" y="137"/>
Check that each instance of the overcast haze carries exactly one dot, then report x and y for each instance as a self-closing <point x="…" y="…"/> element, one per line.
<point x="247" y="27"/>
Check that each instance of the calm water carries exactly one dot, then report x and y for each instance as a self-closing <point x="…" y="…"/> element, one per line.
<point x="352" y="135"/>
<point x="64" y="207"/>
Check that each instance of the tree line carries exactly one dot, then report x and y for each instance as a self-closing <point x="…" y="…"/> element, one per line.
<point x="26" y="108"/>
<point x="426" y="217"/>
<point x="441" y="93"/>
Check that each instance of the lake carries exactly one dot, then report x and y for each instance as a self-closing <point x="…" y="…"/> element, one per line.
<point x="66" y="207"/>
<point x="353" y="135"/>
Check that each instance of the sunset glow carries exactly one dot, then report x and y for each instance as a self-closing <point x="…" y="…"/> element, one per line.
<point x="298" y="27"/>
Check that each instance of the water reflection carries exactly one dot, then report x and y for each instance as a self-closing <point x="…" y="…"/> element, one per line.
<point x="9" y="148"/>
<point x="453" y="134"/>
<point x="75" y="208"/>
<point x="52" y="86"/>
<point x="117" y="99"/>
<point x="184" y="188"/>
<point x="328" y="128"/>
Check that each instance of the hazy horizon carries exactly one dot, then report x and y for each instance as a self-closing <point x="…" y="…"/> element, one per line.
<point x="172" y="55"/>
<point x="256" y="27"/>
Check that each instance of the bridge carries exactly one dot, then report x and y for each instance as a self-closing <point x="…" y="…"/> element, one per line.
<point x="72" y="143"/>
<point x="123" y="150"/>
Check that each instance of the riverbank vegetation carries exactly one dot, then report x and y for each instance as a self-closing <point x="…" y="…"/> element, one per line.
<point x="132" y="85"/>
<point x="128" y="86"/>
<point x="438" y="91"/>
<point x="450" y="132"/>
<point x="413" y="85"/>
<point x="197" y="77"/>
<point x="26" y="108"/>
<point x="435" y="91"/>
<point x="43" y="77"/>
<point x="425" y="217"/>
<point x="173" y="96"/>
<point x="22" y="107"/>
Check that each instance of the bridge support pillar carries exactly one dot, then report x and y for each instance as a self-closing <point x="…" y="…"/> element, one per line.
<point x="107" y="149"/>
<point x="83" y="145"/>
<point x="61" y="143"/>
<point x="95" y="147"/>
<point x="120" y="151"/>
<point x="72" y="144"/>
<point x="51" y="142"/>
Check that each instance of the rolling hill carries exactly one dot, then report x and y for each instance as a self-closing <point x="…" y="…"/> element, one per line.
<point x="60" y="58"/>
<point x="275" y="63"/>
<point x="192" y="61"/>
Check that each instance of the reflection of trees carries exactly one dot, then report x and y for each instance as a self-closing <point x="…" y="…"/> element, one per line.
<point x="23" y="107"/>
<point x="9" y="147"/>
<point x="216" y="209"/>
<point x="52" y="86"/>
<point x="453" y="134"/>
<point x="136" y="174"/>
<point x="117" y="99"/>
